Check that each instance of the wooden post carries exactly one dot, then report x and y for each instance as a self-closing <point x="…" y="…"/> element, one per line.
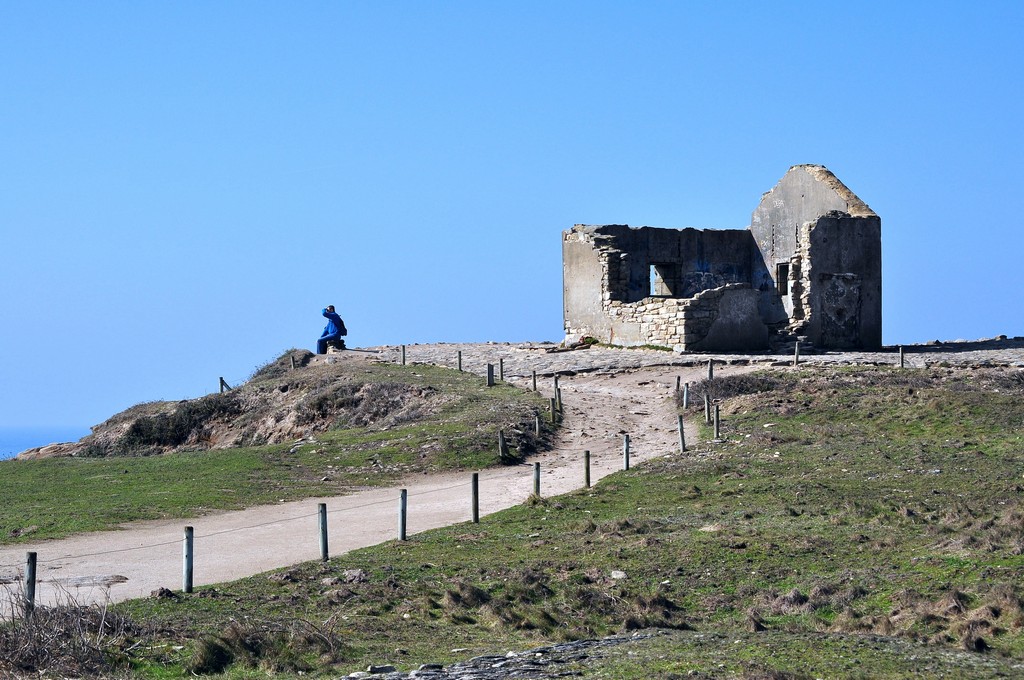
<point x="535" y="381"/>
<point x="187" y="555"/>
<point x="224" y="386"/>
<point x="686" y="395"/>
<point x="556" y="383"/>
<point x="501" y="369"/>
<point x="292" y="357"/>
<point x="536" y="423"/>
<point x="490" y="375"/>
<point x="718" y="432"/>
<point x="682" y="434"/>
<point x="536" y="479"/>
<point x="502" y="446"/>
<point x="711" y="369"/>
<point x="902" y="364"/>
<point x="678" y="378"/>
<point x="403" y="355"/>
<point x="322" y="514"/>
<point x="30" y="583"/>
<point x="403" y="507"/>
<point x="476" y="498"/>
<point x="707" y="409"/>
<point x="796" y="353"/>
<point x="460" y="360"/>
<point x="554" y="410"/>
<point x="586" y="468"/>
<point x="558" y="398"/>
<point x="625" y="452"/>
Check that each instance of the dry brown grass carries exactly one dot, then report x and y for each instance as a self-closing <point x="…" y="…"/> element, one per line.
<point x="271" y="646"/>
<point x="64" y="640"/>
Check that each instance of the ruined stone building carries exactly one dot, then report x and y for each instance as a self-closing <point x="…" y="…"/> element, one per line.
<point x="809" y="266"/>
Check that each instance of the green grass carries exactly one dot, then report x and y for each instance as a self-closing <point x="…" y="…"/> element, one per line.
<point x="56" y="497"/>
<point x="855" y="523"/>
<point x="780" y="655"/>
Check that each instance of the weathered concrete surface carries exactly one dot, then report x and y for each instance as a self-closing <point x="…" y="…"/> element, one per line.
<point x="830" y="241"/>
<point x="812" y="251"/>
<point x="609" y="272"/>
<point x="737" y="325"/>
<point x="844" y="282"/>
<point x="803" y="194"/>
<point x="582" y="274"/>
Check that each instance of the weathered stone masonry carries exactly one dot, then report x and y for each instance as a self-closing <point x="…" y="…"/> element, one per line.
<point x="808" y="266"/>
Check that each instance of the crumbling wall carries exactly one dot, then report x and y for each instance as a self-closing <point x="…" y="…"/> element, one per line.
<point x="803" y="194"/>
<point x="723" y="319"/>
<point x="844" y="296"/>
<point x="586" y="277"/>
<point x="809" y="265"/>
<point x="628" y="286"/>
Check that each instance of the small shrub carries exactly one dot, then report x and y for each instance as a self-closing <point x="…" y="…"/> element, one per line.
<point x="273" y="646"/>
<point x="327" y="402"/>
<point x="64" y="640"/>
<point x="183" y="425"/>
<point x="734" y="386"/>
<point x="282" y="365"/>
<point x="211" y="655"/>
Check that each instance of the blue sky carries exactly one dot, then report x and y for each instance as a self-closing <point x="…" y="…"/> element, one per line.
<point x="184" y="186"/>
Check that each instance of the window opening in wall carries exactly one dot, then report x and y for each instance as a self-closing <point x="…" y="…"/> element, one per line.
<point x="782" y="278"/>
<point x="663" y="280"/>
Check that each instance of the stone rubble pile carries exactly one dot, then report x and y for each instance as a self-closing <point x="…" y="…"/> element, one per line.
<point x="539" y="663"/>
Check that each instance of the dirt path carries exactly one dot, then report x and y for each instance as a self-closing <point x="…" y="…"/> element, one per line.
<point x="607" y="393"/>
<point x="602" y="402"/>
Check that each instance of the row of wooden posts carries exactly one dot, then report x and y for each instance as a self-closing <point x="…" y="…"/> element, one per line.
<point x="188" y="545"/>
<point x="403" y="509"/>
<point x="556" y="409"/>
<point x="501" y="368"/>
<point x="556" y="401"/>
<point x="711" y="417"/>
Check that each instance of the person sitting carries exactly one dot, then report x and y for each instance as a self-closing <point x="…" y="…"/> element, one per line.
<point x="332" y="332"/>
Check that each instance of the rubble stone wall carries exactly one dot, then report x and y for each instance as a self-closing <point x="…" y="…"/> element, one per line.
<point x="808" y="266"/>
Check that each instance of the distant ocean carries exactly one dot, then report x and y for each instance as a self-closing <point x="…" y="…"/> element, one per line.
<point x="14" y="440"/>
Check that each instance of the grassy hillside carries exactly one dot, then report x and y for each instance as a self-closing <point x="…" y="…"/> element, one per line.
<point x="367" y="424"/>
<point x="854" y="523"/>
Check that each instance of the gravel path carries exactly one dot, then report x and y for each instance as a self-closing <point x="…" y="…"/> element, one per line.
<point x="606" y="393"/>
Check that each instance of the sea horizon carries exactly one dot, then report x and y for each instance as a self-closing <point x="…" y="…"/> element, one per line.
<point x="14" y="440"/>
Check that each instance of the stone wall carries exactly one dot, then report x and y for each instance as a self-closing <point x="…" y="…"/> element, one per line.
<point x="607" y="286"/>
<point x="809" y="264"/>
<point x="724" y="318"/>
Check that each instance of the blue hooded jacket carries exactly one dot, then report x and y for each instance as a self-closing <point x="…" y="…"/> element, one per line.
<point x="335" y="326"/>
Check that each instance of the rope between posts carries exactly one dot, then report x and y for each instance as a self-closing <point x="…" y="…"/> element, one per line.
<point x="236" y="529"/>
<point x="256" y="526"/>
<point x="108" y="552"/>
<point x="447" y="488"/>
<point x="177" y="541"/>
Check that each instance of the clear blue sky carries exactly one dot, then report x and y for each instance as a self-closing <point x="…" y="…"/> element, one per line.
<point x="183" y="186"/>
